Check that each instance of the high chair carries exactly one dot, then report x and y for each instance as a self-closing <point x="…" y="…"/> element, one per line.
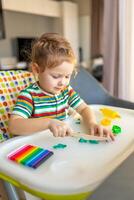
<point x="93" y="93"/>
<point x="11" y="83"/>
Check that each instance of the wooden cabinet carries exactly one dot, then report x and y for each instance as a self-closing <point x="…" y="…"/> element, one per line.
<point x="48" y="8"/>
<point x="65" y="13"/>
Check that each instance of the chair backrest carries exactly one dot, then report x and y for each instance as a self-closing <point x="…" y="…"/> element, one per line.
<point x="89" y="88"/>
<point x="11" y="83"/>
<point x="94" y="93"/>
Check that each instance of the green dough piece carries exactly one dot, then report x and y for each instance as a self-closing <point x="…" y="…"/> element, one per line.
<point x="59" y="146"/>
<point x="93" y="141"/>
<point x="116" y="129"/>
<point x="81" y="140"/>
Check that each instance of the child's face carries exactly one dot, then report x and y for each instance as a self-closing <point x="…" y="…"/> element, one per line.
<point x="54" y="80"/>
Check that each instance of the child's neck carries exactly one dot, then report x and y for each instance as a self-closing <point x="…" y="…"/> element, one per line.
<point x="46" y="92"/>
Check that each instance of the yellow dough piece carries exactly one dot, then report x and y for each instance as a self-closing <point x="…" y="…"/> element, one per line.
<point x="105" y="122"/>
<point x="109" y="113"/>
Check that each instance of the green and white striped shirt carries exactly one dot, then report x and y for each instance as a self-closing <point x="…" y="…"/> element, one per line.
<point x="33" y="102"/>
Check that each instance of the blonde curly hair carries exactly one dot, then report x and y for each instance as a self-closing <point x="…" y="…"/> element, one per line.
<point x="51" y="50"/>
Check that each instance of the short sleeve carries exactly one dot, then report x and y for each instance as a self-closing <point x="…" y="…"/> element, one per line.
<point x="24" y="105"/>
<point x="74" y="98"/>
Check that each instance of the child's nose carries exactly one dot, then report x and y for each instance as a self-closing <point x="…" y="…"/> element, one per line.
<point x="62" y="81"/>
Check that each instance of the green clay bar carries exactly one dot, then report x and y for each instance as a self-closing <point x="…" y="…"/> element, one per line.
<point x="94" y="141"/>
<point x="60" y="146"/>
<point x="81" y="140"/>
<point x="116" y="129"/>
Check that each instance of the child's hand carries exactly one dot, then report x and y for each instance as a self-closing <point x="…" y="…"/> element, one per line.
<point x="59" y="128"/>
<point x="98" y="130"/>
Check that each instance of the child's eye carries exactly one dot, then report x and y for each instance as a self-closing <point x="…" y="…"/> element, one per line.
<point x="55" y="76"/>
<point x="59" y="76"/>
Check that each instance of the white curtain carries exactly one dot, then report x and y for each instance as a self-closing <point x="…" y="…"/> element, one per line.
<point x="111" y="46"/>
<point x="126" y="46"/>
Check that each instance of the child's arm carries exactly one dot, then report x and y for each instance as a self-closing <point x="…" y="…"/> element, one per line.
<point x="90" y="121"/>
<point x="21" y="126"/>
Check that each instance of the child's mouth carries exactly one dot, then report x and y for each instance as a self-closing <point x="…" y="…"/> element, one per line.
<point x="58" y="88"/>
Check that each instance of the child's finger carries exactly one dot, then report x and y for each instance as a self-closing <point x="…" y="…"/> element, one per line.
<point x="55" y="132"/>
<point x="63" y="133"/>
<point x="95" y="131"/>
<point x="69" y="132"/>
<point x="112" y="136"/>
<point x="60" y="130"/>
<point x="100" y="131"/>
<point x="108" y="133"/>
<point x="92" y="131"/>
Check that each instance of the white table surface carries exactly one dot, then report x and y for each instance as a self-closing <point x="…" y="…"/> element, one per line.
<point x="80" y="167"/>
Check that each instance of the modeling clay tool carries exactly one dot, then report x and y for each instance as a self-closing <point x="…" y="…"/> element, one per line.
<point x="89" y="137"/>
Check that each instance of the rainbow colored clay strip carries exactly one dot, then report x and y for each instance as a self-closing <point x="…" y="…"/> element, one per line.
<point x="13" y="155"/>
<point x="29" y="155"/>
<point x="41" y="157"/>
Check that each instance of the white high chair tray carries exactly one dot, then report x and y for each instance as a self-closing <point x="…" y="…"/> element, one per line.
<point x="80" y="167"/>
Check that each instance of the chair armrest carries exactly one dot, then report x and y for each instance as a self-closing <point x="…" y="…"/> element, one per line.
<point x="113" y="101"/>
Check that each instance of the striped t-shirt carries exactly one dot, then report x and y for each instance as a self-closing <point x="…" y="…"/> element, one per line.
<point x="33" y="102"/>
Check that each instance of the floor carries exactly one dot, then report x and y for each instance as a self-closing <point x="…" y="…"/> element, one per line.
<point x="3" y="195"/>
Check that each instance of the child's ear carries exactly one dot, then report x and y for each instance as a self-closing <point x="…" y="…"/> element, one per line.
<point x="35" y="70"/>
